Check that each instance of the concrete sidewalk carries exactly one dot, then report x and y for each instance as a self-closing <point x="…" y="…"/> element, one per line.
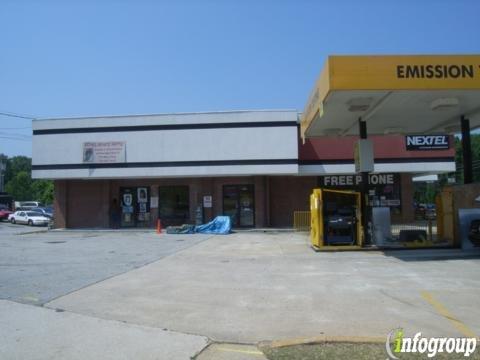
<point x="35" y="333"/>
<point x="244" y="288"/>
<point x="225" y="351"/>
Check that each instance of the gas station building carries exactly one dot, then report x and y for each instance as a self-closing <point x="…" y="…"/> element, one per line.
<point x="259" y="167"/>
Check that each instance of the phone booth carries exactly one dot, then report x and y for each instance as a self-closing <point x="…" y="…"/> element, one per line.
<point x="335" y="220"/>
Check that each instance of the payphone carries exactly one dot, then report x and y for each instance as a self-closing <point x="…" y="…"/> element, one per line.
<point x="335" y="219"/>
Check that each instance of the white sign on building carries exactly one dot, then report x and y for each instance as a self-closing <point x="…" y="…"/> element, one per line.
<point x="104" y="152"/>
<point x="207" y="201"/>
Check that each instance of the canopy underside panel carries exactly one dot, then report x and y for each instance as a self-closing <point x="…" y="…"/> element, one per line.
<point x="395" y="112"/>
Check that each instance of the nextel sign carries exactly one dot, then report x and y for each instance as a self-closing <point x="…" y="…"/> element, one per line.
<point x="427" y="142"/>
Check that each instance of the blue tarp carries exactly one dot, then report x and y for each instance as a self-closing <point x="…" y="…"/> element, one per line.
<point x="220" y="225"/>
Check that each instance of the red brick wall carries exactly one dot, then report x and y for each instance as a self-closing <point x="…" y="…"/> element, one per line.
<point x="288" y="194"/>
<point x="88" y="204"/>
<point x="84" y="204"/>
<point x="60" y="203"/>
<point x="385" y="147"/>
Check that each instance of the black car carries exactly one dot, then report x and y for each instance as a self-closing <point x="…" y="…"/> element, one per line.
<point x="44" y="211"/>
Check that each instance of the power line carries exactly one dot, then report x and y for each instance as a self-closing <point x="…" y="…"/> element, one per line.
<point x="5" y="113"/>
<point x="13" y="138"/>
<point x="13" y="133"/>
<point x="15" y="128"/>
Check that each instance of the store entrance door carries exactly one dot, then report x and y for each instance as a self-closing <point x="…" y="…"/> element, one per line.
<point x="239" y="204"/>
<point x="135" y="206"/>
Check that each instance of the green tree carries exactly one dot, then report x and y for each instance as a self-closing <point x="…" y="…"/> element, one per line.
<point x="16" y="165"/>
<point x="42" y="190"/>
<point x="20" y="186"/>
<point x="475" y="144"/>
<point x="19" y="183"/>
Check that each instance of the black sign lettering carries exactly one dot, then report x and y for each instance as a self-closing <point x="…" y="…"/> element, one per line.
<point x="435" y="71"/>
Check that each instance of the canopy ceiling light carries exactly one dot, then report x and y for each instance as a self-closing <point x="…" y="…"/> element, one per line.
<point x="394" y="130"/>
<point x="443" y="104"/>
<point x="360" y="104"/>
<point x="332" y="132"/>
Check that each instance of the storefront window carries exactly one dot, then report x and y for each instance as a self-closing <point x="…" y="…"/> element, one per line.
<point x="173" y="205"/>
<point x="239" y="204"/>
<point x="383" y="189"/>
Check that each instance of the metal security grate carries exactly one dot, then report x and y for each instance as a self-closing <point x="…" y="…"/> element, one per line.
<point x="301" y="220"/>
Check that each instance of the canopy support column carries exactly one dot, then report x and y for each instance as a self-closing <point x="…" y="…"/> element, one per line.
<point x="467" y="151"/>
<point x="362" y="126"/>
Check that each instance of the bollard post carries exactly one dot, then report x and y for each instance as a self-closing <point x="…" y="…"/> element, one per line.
<point x="430" y="230"/>
<point x="159" y="226"/>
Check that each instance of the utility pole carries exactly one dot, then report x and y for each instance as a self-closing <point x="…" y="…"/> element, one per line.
<point x="3" y="166"/>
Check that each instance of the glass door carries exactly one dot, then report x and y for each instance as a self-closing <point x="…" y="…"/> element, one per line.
<point x="135" y="206"/>
<point x="239" y="204"/>
<point x="127" y="203"/>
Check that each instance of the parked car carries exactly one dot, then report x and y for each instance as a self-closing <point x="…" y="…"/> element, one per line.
<point x="28" y="217"/>
<point x="4" y="212"/>
<point x="430" y="212"/>
<point x="31" y="204"/>
<point x="45" y="211"/>
<point x="425" y="212"/>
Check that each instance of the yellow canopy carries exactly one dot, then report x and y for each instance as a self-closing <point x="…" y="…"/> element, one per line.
<point x="394" y="94"/>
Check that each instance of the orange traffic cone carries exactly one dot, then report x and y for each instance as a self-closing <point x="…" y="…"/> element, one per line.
<point x="159" y="226"/>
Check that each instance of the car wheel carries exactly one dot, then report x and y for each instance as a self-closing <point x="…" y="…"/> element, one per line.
<point x="30" y="222"/>
<point x="12" y="221"/>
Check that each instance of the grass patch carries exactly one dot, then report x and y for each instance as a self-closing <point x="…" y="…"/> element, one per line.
<point x="348" y="351"/>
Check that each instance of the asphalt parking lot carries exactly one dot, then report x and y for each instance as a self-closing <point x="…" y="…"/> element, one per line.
<point x="36" y="267"/>
<point x="244" y="287"/>
<point x="6" y="228"/>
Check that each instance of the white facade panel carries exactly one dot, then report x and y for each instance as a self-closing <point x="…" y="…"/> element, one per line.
<point x="267" y="141"/>
<point x="174" y="145"/>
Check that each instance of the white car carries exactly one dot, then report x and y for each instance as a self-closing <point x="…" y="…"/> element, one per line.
<point x="27" y="205"/>
<point x="28" y="217"/>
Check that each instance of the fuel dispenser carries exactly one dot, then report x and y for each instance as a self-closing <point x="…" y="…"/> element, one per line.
<point x="335" y="219"/>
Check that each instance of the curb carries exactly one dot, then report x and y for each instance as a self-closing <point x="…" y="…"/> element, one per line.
<point x="33" y="232"/>
<point x="320" y="340"/>
<point x="118" y="231"/>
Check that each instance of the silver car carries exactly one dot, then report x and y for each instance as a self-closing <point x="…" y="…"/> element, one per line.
<point x="28" y="217"/>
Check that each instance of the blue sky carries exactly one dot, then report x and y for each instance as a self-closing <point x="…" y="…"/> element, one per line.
<point x="85" y="57"/>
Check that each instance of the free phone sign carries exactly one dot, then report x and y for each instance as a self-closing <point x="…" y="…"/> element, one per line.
<point x="427" y="142"/>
